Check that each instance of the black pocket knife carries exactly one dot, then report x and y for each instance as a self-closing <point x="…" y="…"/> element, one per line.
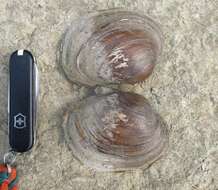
<point x="22" y="105"/>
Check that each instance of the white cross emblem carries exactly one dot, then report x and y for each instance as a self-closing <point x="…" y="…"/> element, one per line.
<point x="19" y="121"/>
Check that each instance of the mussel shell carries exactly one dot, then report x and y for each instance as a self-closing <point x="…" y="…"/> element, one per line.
<point x="111" y="47"/>
<point x="115" y="132"/>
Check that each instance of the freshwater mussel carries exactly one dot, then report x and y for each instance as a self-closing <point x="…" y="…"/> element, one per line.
<point x="111" y="47"/>
<point x="113" y="131"/>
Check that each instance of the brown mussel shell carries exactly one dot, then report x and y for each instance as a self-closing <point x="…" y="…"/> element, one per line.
<point x="111" y="47"/>
<point x="115" y="132"/>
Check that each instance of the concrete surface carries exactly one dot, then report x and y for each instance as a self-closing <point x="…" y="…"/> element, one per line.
<point x="183" y="89"/>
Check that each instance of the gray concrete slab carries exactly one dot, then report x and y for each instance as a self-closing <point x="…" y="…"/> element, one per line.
<point x="184" y="91"/>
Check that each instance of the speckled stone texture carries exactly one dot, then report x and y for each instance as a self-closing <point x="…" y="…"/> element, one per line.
<point x="183" y="89"/>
